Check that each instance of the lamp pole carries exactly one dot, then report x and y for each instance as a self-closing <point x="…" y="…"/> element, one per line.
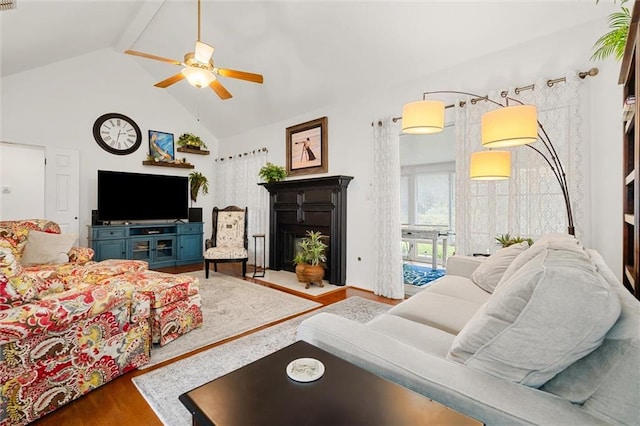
<point x="551" y="157"/>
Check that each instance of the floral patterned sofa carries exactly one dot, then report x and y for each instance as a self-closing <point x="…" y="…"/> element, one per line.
<point x="66" y="328"/>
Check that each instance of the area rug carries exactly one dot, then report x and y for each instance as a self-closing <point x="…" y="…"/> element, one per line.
<point x="161" y="387"/>
<point x="231" y="306"/>
<point x="420" y="275"/>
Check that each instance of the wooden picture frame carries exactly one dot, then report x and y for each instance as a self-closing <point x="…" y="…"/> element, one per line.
<point x="161" y="146"/>
<point x="307" y="148"/>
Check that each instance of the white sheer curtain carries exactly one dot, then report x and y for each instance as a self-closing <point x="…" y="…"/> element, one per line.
<point x="386" y="189"/>
<point x="530" y="203"/>
<point x="236" y="183"/>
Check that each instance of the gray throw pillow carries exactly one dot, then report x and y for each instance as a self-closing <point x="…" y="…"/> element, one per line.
<point x="553" y="311"/>
<point x="488" y="274"/>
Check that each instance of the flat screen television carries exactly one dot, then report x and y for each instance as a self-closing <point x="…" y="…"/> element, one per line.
<point x="124" y="196"/>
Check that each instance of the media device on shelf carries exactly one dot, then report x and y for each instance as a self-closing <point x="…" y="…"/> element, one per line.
<point x="124" y="196"/>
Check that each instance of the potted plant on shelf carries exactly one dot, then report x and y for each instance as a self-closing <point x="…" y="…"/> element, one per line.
<point x="272" y="173"/>
<point x="310" y="259"/>
<point x="189" y="140"/>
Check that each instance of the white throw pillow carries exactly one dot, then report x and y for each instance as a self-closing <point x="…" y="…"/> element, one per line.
<point x="488" y="274"/>
<point x="46" y="248"/>
<point x="553" y="311"/>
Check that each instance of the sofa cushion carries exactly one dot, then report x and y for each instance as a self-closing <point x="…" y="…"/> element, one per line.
<point x="426" y="339"/>
<point x="460" y="288"/>
<point x="46" y="248"/>
<point x="441" y="311"/>
<point x="489" y="273"/>
<point x="553" y="311"/>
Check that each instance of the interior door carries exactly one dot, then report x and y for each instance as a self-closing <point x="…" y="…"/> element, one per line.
<point x="62" y="190"/>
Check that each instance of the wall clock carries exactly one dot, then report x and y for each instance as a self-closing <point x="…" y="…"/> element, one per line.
<point x="117" y="133"/>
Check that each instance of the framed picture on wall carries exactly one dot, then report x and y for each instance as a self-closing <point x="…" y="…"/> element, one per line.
<point x="161" y="145"/>
<point x="307" y="148"/>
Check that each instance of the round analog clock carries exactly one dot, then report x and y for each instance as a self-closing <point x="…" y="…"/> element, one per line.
<point x="117" y="133"/>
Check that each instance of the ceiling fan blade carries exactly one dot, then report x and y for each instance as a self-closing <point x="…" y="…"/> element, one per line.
<point x="220" y="90"/>
<point x="255" y="78"/>
<point x="148" y="56"/>
<point x="169" y="81"/>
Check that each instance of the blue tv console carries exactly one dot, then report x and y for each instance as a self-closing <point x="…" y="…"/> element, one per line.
<point x="162" y="245"/>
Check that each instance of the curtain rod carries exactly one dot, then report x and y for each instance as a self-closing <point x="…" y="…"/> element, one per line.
<point x="255" y="151"/>
<point x="550" y="83"/>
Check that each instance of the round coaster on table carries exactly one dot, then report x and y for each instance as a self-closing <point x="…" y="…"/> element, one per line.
<point x="305" y="369"/>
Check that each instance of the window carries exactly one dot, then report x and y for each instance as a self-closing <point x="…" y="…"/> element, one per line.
<point x="427" y="200"/>
<point x="427" y="197"/>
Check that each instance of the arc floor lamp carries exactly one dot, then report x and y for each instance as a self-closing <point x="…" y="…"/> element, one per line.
<point x="506" y="126"/>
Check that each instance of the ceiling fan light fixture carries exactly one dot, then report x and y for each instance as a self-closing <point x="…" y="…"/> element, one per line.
<point x="198" y="77"/>
<point x="203" y="52"/>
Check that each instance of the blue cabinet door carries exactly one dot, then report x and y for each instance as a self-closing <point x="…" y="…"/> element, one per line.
<point x="189" y="249"/>
<point x="110" y="249"/>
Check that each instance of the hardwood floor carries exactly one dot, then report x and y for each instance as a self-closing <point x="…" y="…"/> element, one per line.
<point x="119" y="402"/>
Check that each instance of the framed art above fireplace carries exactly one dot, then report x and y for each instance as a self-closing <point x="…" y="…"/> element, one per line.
<point x="307" y="148"/>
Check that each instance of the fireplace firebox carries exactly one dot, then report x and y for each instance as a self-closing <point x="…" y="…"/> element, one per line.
<point x="316" y="204"/>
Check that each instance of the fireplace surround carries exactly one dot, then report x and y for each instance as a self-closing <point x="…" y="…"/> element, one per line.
<point x="315" y="204"/>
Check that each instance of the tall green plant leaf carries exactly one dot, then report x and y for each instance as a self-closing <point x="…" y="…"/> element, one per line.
<point x="613" y="42"/>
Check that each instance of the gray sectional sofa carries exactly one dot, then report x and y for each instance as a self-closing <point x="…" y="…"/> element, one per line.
<point x="540" y="335"/>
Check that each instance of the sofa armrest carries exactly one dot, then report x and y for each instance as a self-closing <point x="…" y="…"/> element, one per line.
<point x="487" y="398"/>
<point x="463" y="265"/>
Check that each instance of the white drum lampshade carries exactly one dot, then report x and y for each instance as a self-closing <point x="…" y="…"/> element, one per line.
<point x="423" y="117"/>
<point x="490" y="165"/>
<point x="510" y="126"/>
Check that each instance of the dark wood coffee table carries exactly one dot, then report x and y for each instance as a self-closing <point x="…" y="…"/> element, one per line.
<point x="261" y="393"/>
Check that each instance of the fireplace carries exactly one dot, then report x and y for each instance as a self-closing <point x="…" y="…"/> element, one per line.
<point x="316" y="204"/>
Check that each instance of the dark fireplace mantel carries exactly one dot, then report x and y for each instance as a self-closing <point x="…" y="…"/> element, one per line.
<point x="317" y="204"/>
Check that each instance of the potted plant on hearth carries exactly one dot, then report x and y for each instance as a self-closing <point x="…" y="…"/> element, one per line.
<point x="310" y="259"/>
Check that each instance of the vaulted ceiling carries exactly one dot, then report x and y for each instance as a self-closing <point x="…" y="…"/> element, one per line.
<point x="310" y="53"/>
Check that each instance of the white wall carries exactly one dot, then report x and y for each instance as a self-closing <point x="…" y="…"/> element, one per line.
<point x="21" y="198"/>
<point x="56" y="105"/>
<point x="350" y="134"/>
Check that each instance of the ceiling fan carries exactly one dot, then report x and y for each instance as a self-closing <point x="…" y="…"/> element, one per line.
<point x="199" y="69"/>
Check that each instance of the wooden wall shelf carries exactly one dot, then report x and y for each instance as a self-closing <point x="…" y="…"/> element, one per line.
<point x="193" y="150"/>
<point x="167" y="164"/>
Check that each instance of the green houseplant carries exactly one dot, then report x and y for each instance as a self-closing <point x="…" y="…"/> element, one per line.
<point x="272" y="173"/>
<point x="197" y="182"/>
<point x="310" y="259"/>
<point x="189" y="140"/>
<point x="613" y="42"/>
<point x="507" y="240"/>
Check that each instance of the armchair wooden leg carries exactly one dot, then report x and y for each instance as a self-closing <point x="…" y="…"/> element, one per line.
<point x="244" y="269"/>
<point x="215" y="266"/>
<point x="206" y="268"/>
